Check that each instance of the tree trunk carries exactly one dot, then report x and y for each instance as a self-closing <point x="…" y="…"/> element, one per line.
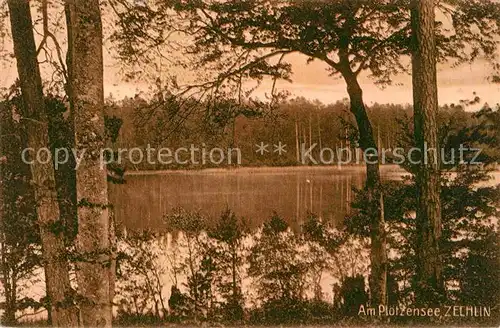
<point x="9" y="314"/>
<point x="297" y="146"/>
<point x="35" y="117"/>
<point x="378" y="256"/>
<point x="94" y="243"/>
<point x="430" y="286"/>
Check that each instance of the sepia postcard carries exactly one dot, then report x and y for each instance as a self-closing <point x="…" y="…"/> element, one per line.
<point x="249" y="163"/>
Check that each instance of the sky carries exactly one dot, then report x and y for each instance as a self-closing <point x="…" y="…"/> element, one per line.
<point x="312" y="81"/>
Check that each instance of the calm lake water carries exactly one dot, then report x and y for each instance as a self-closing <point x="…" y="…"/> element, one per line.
<point x="252" y="193"/>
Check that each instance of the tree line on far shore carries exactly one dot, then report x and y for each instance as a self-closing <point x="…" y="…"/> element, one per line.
<point x="293" y="122"/>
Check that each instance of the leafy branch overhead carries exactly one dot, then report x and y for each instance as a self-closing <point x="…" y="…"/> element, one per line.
<point x="249" y="38"/>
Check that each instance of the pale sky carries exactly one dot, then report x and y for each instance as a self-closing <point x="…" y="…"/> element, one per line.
<point x="312" y="81"/>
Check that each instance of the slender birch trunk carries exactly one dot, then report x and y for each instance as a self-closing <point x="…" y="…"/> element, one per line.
<point x="63" y="312"/>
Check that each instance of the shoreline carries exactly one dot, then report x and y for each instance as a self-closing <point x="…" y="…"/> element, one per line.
<point x="386" y="170"/>
<point x="260" y="169"/>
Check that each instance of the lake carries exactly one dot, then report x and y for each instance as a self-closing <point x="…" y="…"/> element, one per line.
<point x="252" y="193"/>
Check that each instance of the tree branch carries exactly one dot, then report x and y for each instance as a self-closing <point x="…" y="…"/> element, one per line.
<point x="379" y="45"/>
<point x="47" y="34"/>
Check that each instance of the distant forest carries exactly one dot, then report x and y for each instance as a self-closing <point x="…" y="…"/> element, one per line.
<point x="291" y="122"/>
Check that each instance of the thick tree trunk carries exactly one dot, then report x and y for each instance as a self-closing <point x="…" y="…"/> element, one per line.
<point x="378" y="255"/>
<point x="425" y="103"/>
<point x="54" y="252"/>
<point x="94" y="240"/>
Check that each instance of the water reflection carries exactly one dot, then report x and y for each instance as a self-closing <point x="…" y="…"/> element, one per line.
<point x="252" y="193"/>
